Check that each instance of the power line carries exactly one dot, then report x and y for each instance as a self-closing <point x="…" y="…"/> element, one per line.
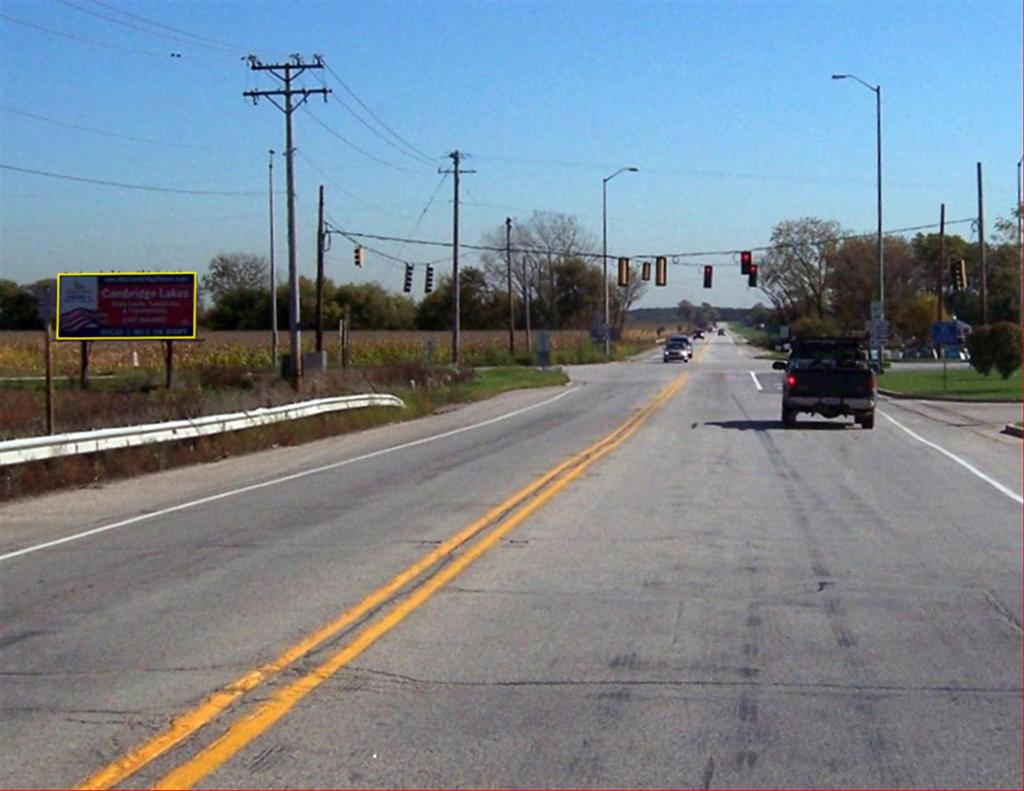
<point x="153" y="22"/>
<point x="375" y="131"/>
<point x="84" y="40"/>
<point x="688" y="254"/>
<point x="106" y="133"/>
<point x="352" y="145"/>
<point x="130" y="25"/>
<point x="122" y="185"/>
<point x="327" y="177"/>
<point x="425" y="156"/>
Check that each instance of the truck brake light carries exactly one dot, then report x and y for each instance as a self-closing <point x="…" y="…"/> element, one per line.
<point x="790" y="380"/>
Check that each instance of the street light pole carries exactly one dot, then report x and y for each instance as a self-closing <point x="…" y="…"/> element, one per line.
<point x="604" y="250"/>
<point x="878" y="156"/>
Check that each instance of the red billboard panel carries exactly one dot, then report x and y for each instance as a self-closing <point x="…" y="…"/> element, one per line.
<point x="126" y="306"/>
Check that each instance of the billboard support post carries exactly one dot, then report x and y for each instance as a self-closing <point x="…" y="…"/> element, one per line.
<point x="83" y="369"/>
<point x="169" y="360"/>
<point x="49" y="379"/>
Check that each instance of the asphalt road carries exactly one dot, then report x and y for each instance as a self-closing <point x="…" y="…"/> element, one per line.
<point x="704" y="599"/>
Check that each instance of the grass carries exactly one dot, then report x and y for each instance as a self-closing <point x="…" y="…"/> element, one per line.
<point x="753" y="335"/>
<point x="423" y="390"/>
<point x="961" y="383"/>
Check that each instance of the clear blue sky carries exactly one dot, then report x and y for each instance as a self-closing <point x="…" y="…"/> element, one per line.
<point x="727" y="109"/>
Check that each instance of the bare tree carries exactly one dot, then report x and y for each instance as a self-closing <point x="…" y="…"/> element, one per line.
<point x="538" y="246"/>
<point x="622" y="298"/>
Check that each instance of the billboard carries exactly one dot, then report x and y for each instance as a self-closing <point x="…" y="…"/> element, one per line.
<point x="126" y="306"/>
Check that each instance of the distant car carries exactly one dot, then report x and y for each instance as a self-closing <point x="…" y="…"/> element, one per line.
<point x="919" y="353"/>
<point x="698" y="335"/>
<point x="721" y="332"/>
<point x="677" y="348"/>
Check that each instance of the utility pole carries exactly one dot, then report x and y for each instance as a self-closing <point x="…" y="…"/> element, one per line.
<point x="942" y="260"/>
<point x="1020" y="236"/>
<point x="981" y="251"/>
<point x="273" y="267"/>
<point x="320" y="274"/>
<point x="286" y="73"/>
<point x="456" y="157"/>
<point x="511" y="309"/>
<point x="526" y="302"/>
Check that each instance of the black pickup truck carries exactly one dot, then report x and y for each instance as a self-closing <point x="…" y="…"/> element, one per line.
<point x="829" y="377"/>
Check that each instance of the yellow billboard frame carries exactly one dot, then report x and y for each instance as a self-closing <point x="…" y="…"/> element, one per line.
<point x="195" y="308"/>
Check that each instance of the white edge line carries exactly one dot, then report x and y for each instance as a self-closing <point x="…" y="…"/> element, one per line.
<point x="757" y="384"/>
<point x="962" y="462"/>
<point x="275" y="481"/>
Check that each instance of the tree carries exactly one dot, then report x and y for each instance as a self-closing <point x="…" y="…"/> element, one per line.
<point x="622" y="298"/>
<point x="18" y="308"/>
<point x="371" y="306"/>
<point x="579" y="295"/>
<point x="538" y="246"/>
<point x="794" y="273"/>
<point x="229" y="272"/>
<point x="480" y="307"/>
<point x="240" y="309"/>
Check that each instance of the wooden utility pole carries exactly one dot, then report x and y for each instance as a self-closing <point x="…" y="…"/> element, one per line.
<point x="511" y="307"/>
<point x="286" y="73"/>
<point x="456" y="157"/>
<point x="942" y="261"/>
<point x="273" y="266"/>
<point x="320" y="274"/>
<point x="981" y="251"/>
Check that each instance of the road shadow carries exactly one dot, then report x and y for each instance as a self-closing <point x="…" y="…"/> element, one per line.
<point x="777" y="425"/>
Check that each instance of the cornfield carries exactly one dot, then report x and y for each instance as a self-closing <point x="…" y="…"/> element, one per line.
<point x="22" y="353"/>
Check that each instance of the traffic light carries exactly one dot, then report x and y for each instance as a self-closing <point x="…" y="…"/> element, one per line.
<point x="958" y="274"/>
<point x="407" y="286"/>
<point x="708" y="271"/>
<point x="623" y="272"/>
<point x="746" y="259"/>
<point x="359" y="257"/>
<point x="752" y="275"/>
<point x="428" y="284"/>
<point x="645" y="270"/>
<point x="660" y="270"/>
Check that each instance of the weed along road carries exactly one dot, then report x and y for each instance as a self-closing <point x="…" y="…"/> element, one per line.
<point x="641" y="579"/>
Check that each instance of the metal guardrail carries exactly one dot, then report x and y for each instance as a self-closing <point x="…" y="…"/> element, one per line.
<point x="19" y="451"/>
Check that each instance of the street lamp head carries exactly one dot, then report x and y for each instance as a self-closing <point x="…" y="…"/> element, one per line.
<point x="633" y="170"/>
<point x="840" y="76"/>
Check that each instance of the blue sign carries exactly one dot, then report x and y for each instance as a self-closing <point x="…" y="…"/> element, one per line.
<point x="946" y="333"/>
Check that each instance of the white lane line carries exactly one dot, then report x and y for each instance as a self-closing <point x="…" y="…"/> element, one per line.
<point x="757" y="384"/>
<point x="294" y="476"/>
<point x="962" y="462"/>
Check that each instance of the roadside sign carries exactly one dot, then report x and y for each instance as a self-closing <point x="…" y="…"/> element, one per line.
<point x="946" y="333"/>
<point x="876" y="310"/>
<point x="879" y="330"/>
<point x="126" y="306"/>
<point x="784" y="332"/>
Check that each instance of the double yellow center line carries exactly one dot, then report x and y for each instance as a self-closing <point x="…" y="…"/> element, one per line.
<point x="488" y="530"/>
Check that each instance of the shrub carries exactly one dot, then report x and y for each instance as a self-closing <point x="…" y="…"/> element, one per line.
<point x="811" y="326"/>
<point x="1004" y="342"/>
<point x="979" y="346"/>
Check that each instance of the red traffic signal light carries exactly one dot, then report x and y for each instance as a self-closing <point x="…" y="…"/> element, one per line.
<point x="708" y="271"/>
<point x="746" y="259"/>
<point x="752" y="275"/>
